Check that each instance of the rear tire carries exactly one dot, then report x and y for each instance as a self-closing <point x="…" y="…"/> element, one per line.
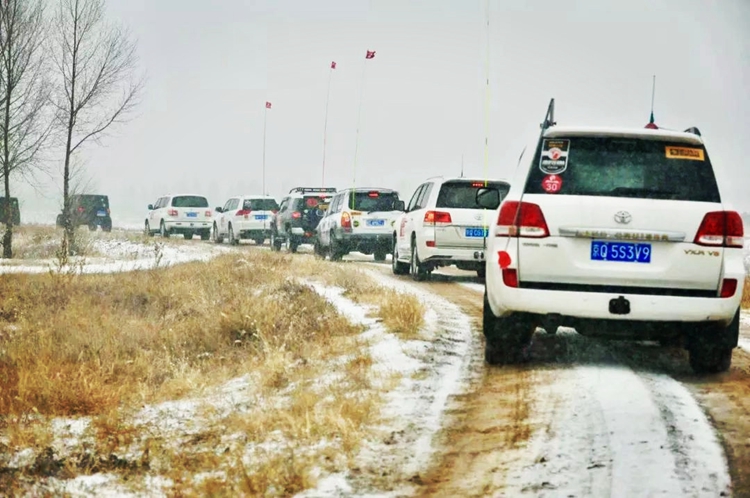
<point x="92" y="228"/>
<point x="188" y="235"/>
<point x="481" y="273"/>
<point x="291" y="245"/>
<point x="259" y="241"/>
<point x="711" y="350"/>
<point x="275" y="242"/>
<point x="147" y="230"/>
<point x="206" y="235"/>
<point x="230" y="237"/>
<point x="380" y="254"/>
<point x="163" y="230"/>
<point x="334" y="248"/>
<point x="506" y="339"/>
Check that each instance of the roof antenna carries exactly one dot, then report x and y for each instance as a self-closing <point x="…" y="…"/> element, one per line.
<point x="651" y="125"/>
<point x="462" y="165"/>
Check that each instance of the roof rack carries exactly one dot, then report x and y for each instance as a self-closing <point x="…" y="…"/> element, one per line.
<point x="304" y="190"/>
<point x="694" y="130"/>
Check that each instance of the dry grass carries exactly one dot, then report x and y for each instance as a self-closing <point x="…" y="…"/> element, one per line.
<point x="105" y="345"/>
<point x="746" y="294"/>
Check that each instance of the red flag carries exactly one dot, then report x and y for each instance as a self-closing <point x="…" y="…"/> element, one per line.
<point x="333" y="65"/>
<point x="370" y="55"/>
<point x="268" y="105"/>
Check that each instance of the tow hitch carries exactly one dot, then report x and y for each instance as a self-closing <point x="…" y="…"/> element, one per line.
<point x="619" y="306"/>
<point x="479" y="255"/>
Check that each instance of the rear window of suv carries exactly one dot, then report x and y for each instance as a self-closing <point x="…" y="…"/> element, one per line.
<point x="260" y="205"/>
<point x="189" y="201"/>
<point x="625" y="167"/>
<point x="463" y="194"/>
<point x="312" y="202"/>
<point x="373" y="201"/>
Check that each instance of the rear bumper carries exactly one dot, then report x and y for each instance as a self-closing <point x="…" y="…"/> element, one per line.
<point x="452" y="256"/>
<point x="183" y="226"/>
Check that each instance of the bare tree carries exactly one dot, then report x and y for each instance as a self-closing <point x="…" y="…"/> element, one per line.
<point x="96" y="64"/>
<point x="25" y="124"/>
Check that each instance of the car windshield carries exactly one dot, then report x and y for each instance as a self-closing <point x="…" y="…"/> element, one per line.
<point x="463" y="194"/>
<point x="189" y="201"/>
<point x="260" y="205"/>
<point x="373" y="200"/>
<point x="627" y="167"/>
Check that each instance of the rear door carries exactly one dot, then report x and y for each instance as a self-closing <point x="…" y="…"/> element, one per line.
<point x="260" y="211"/>
<point x="373" y="210"/>
<point x="620" y="212"/>
<point x="313" y="208"/>
<point x="465" y="225"/>
<point x="190" y="209"/>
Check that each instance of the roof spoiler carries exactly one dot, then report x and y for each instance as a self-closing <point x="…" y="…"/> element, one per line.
<point x="694" y="130"/>
<point x="305" y="190"/>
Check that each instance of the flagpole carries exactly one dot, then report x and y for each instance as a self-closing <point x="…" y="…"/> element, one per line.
<point x="487" y="97"/>
<point x="359" y="117"/>
<point x="265" y="119"/>
<point x="325" y="126"/>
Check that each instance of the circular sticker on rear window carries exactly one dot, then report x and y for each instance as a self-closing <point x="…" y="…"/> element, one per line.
<point x="311" y="202"/>
<point x="552" y="184"/>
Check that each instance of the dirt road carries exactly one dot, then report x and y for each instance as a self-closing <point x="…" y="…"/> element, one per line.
<point x="590" y="418"/>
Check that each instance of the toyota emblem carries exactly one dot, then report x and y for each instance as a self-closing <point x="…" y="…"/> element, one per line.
<point x="623" y="217"/>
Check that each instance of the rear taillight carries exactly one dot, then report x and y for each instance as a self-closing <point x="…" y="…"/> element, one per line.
<point x="108" y="211"/>
<point x="346" y="221"/>
<point x="242" y="212"/>
<point x="510" y="277"/>
<point x="208" y="213"/>
<point x="274" y="211"/>
<point x="172" y="212"/>
<point x="437" y="217"/>
<point x="728" y="287"/>
<point x="80" y="209"/>
<point x="296" y="215"/>
<point x="720" y="228"/>
<point x="521" y="219"/>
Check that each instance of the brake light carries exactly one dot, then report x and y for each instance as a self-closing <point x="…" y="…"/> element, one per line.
<point x="346" y="221"/>
<point x="242" y="212"/>
<point x="208" y="213"/>
<point x="510" y="277"/>
<point x="296" y="215"/>
<point x="172" y="212"/>
<point x="478" y="184"/>
<point x="437" y="217"/>
<point x="521" y="219"/>
<point x="728" y="287"/>
<point x="373" y="194"/>
<point x="274" y="211"/>
<point x="721" y="228"/>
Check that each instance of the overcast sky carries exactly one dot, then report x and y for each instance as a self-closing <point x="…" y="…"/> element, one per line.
<point x="212" y="65"/>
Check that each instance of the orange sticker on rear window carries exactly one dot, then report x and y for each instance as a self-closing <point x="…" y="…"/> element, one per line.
<point x="685" y="153"/>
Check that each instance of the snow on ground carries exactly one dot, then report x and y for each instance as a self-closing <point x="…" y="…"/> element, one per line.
<point x="616" y="432"/>
<point x="744" y="340"/>
<point x="415" y="407"/>
<point x="121" y="256"/>
<point x="477" y="287"/>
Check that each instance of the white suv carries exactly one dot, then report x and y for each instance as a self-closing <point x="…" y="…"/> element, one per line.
<point x="443" y="225"/>
<point x="182" y="214"/>
<point x="245" y="217"/>
<point x="618" y="233"/>
<point x="359" y="219"/>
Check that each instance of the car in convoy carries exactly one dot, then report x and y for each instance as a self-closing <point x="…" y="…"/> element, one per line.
<point x="245" y="217"/>
<point x="186" y="214"/>
<point x="91" y="210"/>
<point x="442" y="226"/>
<point x="299" y="213"/>
<point x="620" y="233"/>
<point x="359" y="219"/>
<point x="15" y="211"/>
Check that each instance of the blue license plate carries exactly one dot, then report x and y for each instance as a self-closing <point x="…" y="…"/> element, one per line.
<point x="477" y="232"/>
<point x="628" y="252"/>
<point x="192" y="215"/>
<point x="375" y="223"/>
<point x="261" y="216"/>
<point x="101" y="213"/>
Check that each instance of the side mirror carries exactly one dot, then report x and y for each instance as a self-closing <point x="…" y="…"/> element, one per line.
<point x="218" y="209"/>
<point x="150" y="207"/>
<point x="399" y="206"/>
<point x="488" y="198"/>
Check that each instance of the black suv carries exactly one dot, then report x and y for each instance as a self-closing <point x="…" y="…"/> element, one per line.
<point x="15" y="212"/>
<point x="298" y="217"/>
<point x="90" y="210"/>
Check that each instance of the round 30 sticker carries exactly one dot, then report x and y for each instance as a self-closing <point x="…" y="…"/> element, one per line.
<point x="552" y="184"/>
